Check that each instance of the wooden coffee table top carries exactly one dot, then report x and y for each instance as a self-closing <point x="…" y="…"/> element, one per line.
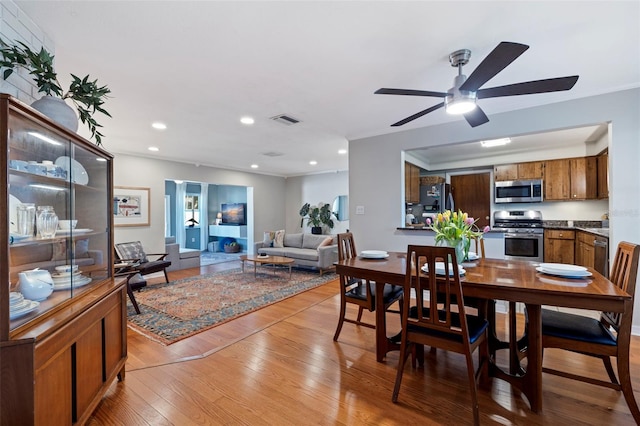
<point x="272" y="260"/>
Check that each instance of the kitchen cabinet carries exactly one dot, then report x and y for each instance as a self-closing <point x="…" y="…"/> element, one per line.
<point x="603" y="176"/>
<point x="586" y="250"/>
<point x="411" y="183"/>
<point x="559" y="246"/>
<point x="570" y="179"/>
<point x="519" y="171"/>
<point x="58" y="354"/>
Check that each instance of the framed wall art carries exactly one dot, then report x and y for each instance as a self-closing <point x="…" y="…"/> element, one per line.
<point x="130" y="206"/>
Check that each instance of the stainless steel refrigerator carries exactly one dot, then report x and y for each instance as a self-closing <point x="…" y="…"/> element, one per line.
<point x="436" y="198"/>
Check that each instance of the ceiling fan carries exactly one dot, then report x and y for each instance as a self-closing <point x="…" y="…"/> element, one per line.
<point x="462" y="97"/>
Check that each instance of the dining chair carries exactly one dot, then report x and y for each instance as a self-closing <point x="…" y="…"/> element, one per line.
<point x="440" y="321"/>
<point x="606" y="337"/>
<point x="359" y="291"/>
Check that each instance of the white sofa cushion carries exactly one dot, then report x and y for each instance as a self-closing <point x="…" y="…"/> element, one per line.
<point x="293" y="240"/>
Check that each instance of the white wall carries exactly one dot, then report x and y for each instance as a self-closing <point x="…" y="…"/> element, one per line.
<point x="314" y="189"/>
<point x="376" y="164"/>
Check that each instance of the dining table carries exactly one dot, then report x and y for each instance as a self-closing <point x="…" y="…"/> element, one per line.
<point x="499" y="279"/>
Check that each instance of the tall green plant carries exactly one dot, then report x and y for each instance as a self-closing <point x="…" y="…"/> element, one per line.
<point x="87" y="95"/>
<point x="316" y="216"/>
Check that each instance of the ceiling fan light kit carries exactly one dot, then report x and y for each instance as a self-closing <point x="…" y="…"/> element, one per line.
<point x="462" y="97"/>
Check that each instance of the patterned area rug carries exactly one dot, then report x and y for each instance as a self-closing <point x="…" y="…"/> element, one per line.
<point x="174" y="311"/>
<point x="209" y="258"/>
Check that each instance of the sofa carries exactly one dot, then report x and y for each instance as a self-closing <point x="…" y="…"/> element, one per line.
<point x="181" y="258"/>
<point x="307" y="250"/>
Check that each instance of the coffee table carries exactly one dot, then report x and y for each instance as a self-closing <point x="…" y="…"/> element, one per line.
<point x="266" y="260"/>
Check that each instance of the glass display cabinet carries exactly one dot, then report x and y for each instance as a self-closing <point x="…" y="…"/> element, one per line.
<point x="62" y="313"/>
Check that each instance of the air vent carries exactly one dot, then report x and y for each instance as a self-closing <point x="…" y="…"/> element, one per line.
<point x="272" y="154"/>
<point x="285" y="119"/>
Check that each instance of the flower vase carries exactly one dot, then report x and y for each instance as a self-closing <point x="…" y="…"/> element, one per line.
<point x="459" y="246"/>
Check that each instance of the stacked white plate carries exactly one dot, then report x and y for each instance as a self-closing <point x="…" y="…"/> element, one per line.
<point x="19" y="306"/>
<point x="66" y="280"/>
<point x="473" y="255"/>
<point x="441" y="271"/>
<point x="374" y="254"/>
<point x="563" y="270"/>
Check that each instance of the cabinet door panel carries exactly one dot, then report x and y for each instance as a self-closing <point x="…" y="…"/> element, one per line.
<point x="505" y="172"/>
<point x="531" y="170"/>
<point x="53" y="392"/>
<point x="89" y="374"/>
<point x="114" y="344"/>
<point x="557" y="183"/>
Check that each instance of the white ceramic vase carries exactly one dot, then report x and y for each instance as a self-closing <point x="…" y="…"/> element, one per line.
<point x="57" y="110"/>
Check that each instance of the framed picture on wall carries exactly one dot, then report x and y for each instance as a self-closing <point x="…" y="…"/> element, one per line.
<point x="131" y="206"/>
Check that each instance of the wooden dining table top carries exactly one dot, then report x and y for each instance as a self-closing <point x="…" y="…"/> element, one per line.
<point x="510" y="280"/>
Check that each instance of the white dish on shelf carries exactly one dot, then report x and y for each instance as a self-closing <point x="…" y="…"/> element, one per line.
<point x="77" y="173"/>
<point x="473" y="255"/>
<point x="374" y="254"/>
<point x="440" y="270"/>
<point x="79" y="282"/>
<point x="66" y="268"/>
<point x="73" y="231"/>
<point x="32" y="306"/>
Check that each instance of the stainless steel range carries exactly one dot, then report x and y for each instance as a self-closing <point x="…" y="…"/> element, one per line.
<point x="524" y="236"/>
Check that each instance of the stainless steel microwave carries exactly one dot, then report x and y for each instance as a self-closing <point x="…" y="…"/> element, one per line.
<point x="518" y="191"/>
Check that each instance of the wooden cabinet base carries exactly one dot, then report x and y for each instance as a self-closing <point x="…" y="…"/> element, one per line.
<point x="58" y="374"/>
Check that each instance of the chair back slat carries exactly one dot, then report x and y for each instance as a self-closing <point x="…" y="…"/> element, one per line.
<point x="623" y="274"/>
<point x="438" y="293"/>
<point x="346" y="246"/>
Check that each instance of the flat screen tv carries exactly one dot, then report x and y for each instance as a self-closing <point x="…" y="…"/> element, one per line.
<point x="234" y="214"/>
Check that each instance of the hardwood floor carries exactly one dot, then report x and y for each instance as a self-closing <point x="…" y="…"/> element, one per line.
<point x="279" y="365"/>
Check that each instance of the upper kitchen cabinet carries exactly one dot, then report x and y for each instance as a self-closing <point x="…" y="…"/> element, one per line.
<point x="519" y="171"/>
<point x="411" y="183"/>
<point x="571" y="179"/>
<point x="603" y="176"/>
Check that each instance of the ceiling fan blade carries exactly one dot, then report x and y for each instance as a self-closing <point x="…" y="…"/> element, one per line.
<point x="418" y="115"/>
<point x="476" y="117"/>
<point x="505" y="53"/>
<point x="409" y="92"/>
<point x="530" y="87"/>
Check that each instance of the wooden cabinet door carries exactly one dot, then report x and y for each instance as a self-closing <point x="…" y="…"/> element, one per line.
<point x="53" y="391"/>
<point x="472" y="194"/>
<point x="584" y="178"/>
<point x="505" y="172"/>
<point x="585" y="253"/>
<point x="531" y="170"/>
<point x="559" y="246"/>
<point x="411" y="183"/>
<point x="603" y="176"/>
<point x="557" y="182"/>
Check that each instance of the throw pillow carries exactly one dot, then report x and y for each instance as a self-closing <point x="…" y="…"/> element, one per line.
<point x="82" y="249"/>
<point x="327" y="242"/>
<point x="268" y="238"/>
<point x="60" y="250"/>
<point x="132" y="250"/>
<point x="278" y="240"/>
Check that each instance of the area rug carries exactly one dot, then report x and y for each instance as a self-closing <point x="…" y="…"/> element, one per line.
<point x="176" y="310"/>
<point x="211" y="258"/>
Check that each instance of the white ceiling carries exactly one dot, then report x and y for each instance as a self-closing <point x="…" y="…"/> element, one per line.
<point x="199" y="66"/>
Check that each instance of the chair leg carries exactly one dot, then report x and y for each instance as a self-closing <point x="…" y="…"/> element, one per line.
<point x="360" y="311"/>
<point x="607" y="365"/>
<point x="404" y="354"/>
<point x="473" y="388"/>
<point x="625" y="384"/>
<point x="343" y="310"/>
<point x="166" y="277"/>
<point x="132" y="298"/>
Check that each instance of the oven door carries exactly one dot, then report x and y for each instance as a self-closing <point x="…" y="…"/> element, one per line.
<point x="524" y="246"/>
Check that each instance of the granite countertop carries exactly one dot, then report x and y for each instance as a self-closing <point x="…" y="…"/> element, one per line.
<point x="603" y="232"/>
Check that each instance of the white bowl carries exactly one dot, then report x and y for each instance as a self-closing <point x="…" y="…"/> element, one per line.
<point x="65" y="225"/>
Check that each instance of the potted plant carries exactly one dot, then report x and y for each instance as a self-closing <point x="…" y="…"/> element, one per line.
<point x="87" y="96"/>
<point x="316" y="217"/>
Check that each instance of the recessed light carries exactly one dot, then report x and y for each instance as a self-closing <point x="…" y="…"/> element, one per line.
<point x="342" y="151"/>
<point x="254" y="166"/>
<point x="159" y="126"/>
<point x="313" y="162"/>
<point x="153" y="148"/>
<point x="247" y="120"/>
<point x="495" y="142"/>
